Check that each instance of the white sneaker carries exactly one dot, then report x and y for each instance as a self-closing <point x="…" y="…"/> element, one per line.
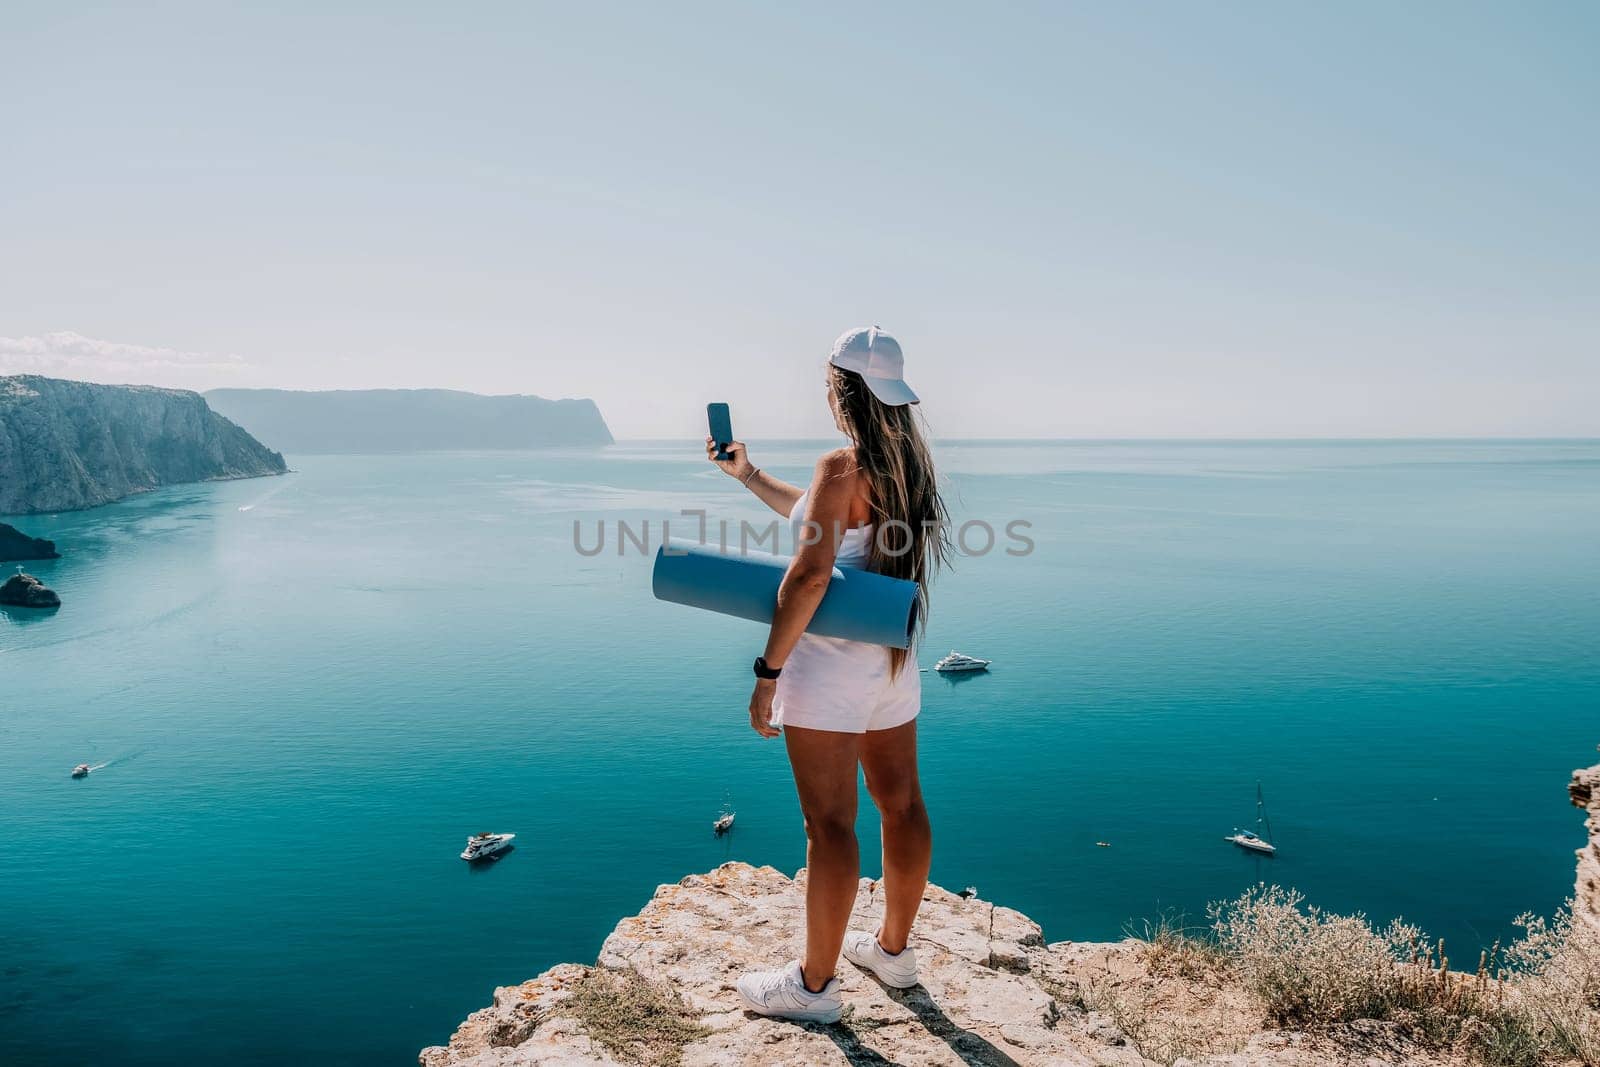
<point x="897" y="969"/>
<point x="782" y="994"/>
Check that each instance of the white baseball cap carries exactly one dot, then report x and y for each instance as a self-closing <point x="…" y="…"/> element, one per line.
<point x="875" y="356"/>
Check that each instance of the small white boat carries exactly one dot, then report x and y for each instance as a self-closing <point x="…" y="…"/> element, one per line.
<point x="1252" y="839"/>
<point x="723" y="824"/>
<point x="957" y="662"/>
<point x="1246" y="839"/>
<point x="482" y="846"/>
<point x="81" y="771"/>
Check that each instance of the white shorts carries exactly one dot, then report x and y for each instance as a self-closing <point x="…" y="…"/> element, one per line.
<point x="845" y="686"/>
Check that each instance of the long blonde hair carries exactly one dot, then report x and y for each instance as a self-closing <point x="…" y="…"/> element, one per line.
<point x="893" y="455"/>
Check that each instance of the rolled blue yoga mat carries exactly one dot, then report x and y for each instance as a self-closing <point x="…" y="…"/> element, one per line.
<point x="858" y="606"/>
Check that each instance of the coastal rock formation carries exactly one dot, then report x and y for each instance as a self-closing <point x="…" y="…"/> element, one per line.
<point x="992" y="993"/>
<point x="1585" y="793"/>
<point x="67" y="445"/>
<point x="16" y="545"/>
<point x="26" y="591"/>
<point x="409" y="420"/>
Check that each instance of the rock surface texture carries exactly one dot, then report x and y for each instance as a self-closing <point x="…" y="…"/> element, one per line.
<point x="16" y="545"/>
<point x="26" y="591"/>
<point x="993" y="993"/>
<point x="68" y="445"/>
<point x="1585" y="793"/>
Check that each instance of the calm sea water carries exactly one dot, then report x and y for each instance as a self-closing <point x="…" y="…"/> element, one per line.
<point x="305" y="692"/>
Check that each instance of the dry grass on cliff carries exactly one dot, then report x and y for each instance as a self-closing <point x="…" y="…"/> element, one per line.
<point x="1182" y="1013"/>
<point x="1156" y="1027"/>
<point x="1556" y="977"/>
<point x="1174" y="949"/>
<point x="1166" y="990"/>
<point x="1309" y="969"/>
<point x="636" y="1020"/>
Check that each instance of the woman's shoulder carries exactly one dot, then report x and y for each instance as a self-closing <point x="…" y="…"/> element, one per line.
<point x="839" y="463"/>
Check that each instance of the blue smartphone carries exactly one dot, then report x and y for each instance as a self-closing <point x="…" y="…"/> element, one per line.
<point x="721" y="428"/>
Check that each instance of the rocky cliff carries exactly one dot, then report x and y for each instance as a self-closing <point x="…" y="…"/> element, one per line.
<point x="409" y="420"/>
<point x="67" y="445"/>
<point x="1585" y="793"/>
<point x="993" y="993"/>
<point x="16" y="545"/>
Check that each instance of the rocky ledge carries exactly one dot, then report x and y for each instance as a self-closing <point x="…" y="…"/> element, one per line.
<point x="26" y="591"/>
<point x="16" y="545"/>
<point x="993" y="993"/>
<point x="1585" y="793"/>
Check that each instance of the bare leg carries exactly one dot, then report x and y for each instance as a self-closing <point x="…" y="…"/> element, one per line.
<point x="824" y="765"/>
<point x="889" y="758"/>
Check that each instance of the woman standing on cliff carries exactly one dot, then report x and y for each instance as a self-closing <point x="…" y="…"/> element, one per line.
<point x="843" y="704"/>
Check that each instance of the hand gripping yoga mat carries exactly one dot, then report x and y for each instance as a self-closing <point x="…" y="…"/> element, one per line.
<point x="858" y="606"/>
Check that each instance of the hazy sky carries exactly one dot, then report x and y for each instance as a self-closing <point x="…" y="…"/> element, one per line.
<point x="1245" y="219"/>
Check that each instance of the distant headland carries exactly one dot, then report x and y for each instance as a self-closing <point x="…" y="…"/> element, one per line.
<point x="409" y="420"/>
<point x="68" y="445"/>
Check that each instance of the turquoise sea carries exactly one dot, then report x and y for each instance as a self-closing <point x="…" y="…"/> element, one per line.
<point x="304" y="692"/>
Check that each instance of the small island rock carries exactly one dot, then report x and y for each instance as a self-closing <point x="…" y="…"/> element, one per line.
<point x="16" y="545"/>
<point x="26" y="591"/>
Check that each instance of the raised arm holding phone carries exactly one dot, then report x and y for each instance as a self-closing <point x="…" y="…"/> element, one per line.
<point x="774" y="492"/>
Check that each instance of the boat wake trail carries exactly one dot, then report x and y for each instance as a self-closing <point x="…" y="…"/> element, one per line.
<point x="118" y="759"/>
<point x="263" y="498"/>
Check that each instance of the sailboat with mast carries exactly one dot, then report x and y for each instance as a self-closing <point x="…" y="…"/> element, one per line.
<point x="1253" y="840"/>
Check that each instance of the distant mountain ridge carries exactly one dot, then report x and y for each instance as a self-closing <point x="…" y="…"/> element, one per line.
<point x="66" y="445"/>
<point x="409" y="420"/>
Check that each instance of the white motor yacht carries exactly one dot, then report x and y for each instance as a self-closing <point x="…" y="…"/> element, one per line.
<point x="81" y="771"/>
<point x="957" y="662"/>
<point x="723" y="824"/>
<point x="482" y="846"/>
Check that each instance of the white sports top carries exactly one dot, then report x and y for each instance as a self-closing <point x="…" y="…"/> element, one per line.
<point x="855" y="547"/>
<point x="829" y="683"/>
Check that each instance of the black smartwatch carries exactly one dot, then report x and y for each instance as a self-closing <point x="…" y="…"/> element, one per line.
<point x="764" y="671"/>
